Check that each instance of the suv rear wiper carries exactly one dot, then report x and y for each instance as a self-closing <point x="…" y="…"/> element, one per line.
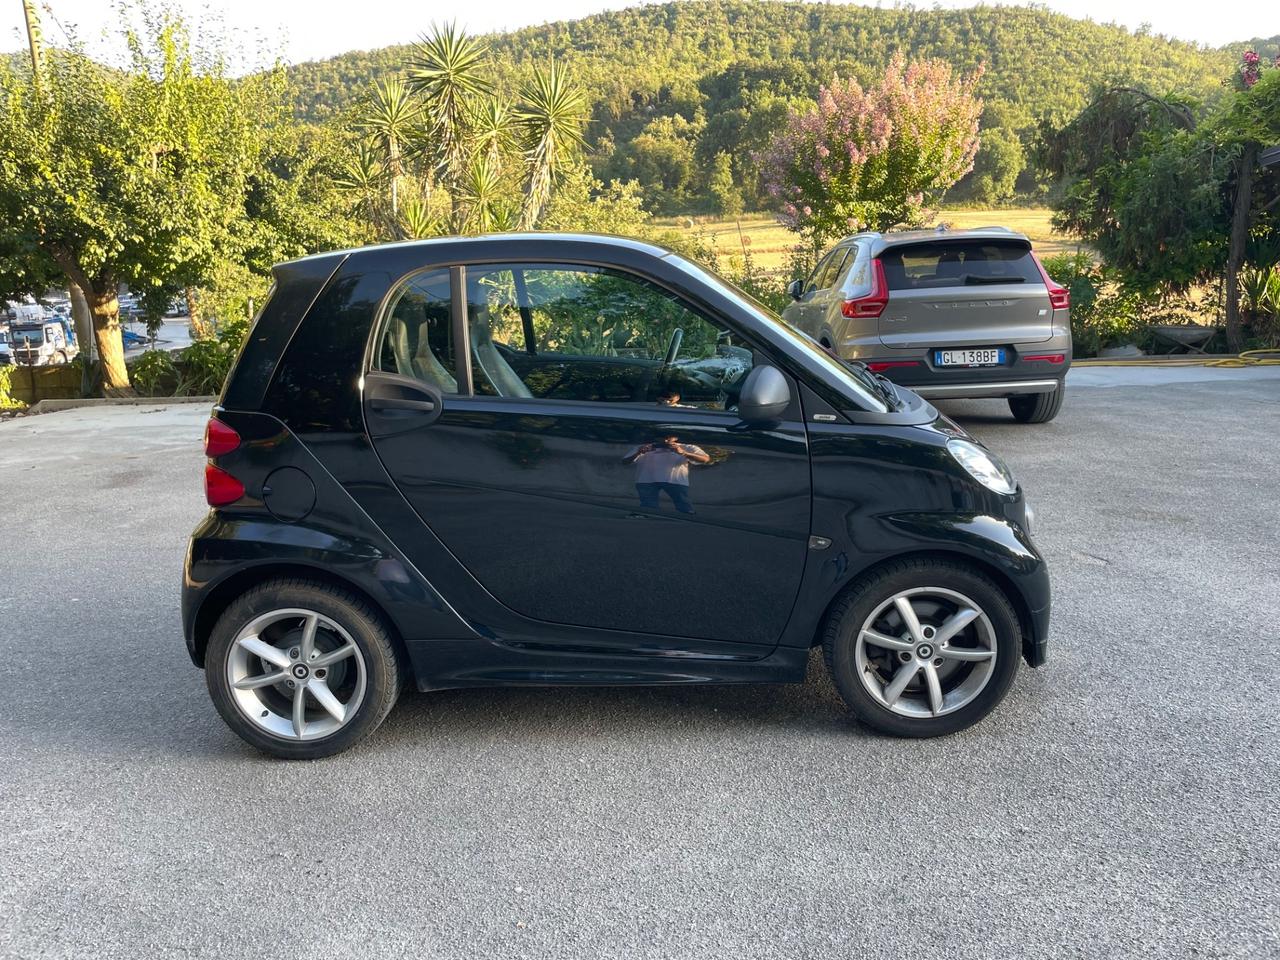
<point x="972" y="279"/>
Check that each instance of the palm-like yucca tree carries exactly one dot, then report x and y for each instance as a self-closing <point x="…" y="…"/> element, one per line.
<point x="392" y="119"/>
<point x="551" y="115"/>
<point x="447" y="69"/>
<point x="362" y="175"/>
<point x="483" y="193"/>
<point x="491" y="130"/>
<point x="416" y="220"/>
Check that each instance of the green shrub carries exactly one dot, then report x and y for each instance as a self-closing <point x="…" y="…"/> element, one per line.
<point x="154" y="374"/>
<point x="7" y="400"/>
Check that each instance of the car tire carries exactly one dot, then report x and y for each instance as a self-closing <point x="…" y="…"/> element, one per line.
<point x="865" y="673"/>
<point x="1037" y="407"/>
<point x="362" y="684"/>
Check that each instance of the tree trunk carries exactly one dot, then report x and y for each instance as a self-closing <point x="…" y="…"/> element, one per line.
<point x="105" y="308"/>
<point x="195" y="320"/>
<point x="83" y="320"/>
<point x="1239" y="237"/>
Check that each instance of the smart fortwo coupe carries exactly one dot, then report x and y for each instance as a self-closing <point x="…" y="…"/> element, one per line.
<point x="555" y="459"/>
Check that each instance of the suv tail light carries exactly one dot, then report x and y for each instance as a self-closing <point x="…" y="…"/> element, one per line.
<point x="219" y="438"/>
<point x="1059" y="296"/>
<point x="873" y="303"/>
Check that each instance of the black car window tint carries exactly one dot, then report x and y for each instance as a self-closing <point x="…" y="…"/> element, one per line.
<point x="416" y="338"/>
<point x="560" y="332"/>
<point x="815" y="279"/>
<point x="954" y="263"/>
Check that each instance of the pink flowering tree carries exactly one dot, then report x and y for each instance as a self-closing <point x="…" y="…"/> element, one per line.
<point x="877" y="157"/>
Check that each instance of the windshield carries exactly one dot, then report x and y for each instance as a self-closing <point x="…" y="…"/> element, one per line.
<point x="30" y="337"/>
<point x="868" y="391"/>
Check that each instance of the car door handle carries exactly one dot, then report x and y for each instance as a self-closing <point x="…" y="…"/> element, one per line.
<point x="402" y="403"/>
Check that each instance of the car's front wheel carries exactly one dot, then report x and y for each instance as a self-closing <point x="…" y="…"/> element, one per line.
<point x="301" y="669"/>
<point x="1037" y="407"/>
<point x="922" y="648"/>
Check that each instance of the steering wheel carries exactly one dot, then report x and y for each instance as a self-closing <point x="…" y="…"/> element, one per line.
<point x="673" y="347"/>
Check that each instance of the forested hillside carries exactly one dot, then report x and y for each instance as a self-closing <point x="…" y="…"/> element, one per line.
<point x="686" y="92"/>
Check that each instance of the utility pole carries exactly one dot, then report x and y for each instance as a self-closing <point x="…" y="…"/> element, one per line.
<point x="35" y="42"/>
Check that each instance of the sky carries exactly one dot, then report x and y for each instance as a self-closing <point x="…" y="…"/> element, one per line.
<point x="298" y="30"/>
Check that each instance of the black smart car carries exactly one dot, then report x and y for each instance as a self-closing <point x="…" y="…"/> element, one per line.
<point x="555" y="459"/>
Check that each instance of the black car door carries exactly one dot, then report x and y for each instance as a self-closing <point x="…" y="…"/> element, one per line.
<point x="580" y="455"/>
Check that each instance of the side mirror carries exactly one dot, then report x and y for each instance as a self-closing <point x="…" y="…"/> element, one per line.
<point x="765" y="395"/>
<point x="796" y="289"/>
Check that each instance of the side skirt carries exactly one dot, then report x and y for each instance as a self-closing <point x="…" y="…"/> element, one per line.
<point x="448" y="664"/>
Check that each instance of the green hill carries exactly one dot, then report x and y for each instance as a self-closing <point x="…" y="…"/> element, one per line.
<point x="674" y="85"/>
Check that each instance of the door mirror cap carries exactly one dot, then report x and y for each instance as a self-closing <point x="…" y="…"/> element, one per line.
<point x="795" y="289"/>
<point x="765" y="395"/>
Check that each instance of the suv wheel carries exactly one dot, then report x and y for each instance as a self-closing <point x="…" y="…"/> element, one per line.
<point x="301" y="669"/>
<point x="922" y="648"/>
<point x="1037" y="407"/>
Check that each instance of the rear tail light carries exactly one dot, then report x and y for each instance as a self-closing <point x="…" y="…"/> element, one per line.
<point x="873" y="304"/>
<point x="219" y="438"/>
<point x="1046" y="358"/>
<point x="879" y="366"/>
<point x="220" y="487"/>
<point x="1059" y="296"/>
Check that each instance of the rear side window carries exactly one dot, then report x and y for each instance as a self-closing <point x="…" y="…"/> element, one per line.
<point x="417" y="335"/>
<point x="958" y="263"/>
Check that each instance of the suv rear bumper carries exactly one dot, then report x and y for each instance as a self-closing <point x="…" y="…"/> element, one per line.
<point x="1002" y="388"/>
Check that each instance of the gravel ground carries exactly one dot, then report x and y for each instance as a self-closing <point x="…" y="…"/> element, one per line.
<point x="1121" y="803"/>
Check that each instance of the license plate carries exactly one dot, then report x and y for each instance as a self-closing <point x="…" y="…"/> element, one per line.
<point x="968" y="358"/>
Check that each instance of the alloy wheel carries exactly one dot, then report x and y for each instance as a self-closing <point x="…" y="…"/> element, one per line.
<point x="926" y="652"/>
<point x="296" y="674"/>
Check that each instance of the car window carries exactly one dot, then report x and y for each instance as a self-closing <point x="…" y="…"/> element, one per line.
<point x="815" y="279"/>
<point x="954" y="263"/>
<point x="560" y="332"/>
<point x="416" y="339"/>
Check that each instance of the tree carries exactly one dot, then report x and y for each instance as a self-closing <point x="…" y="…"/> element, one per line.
<point x="551" y="118"/>
<point x="721" y="184"/>
<point x="877" y="157"/>
<point x="1168" y="192"/>
<point x="133" y="175"/>
<point x="456" y="143"/>
<point x="1000" y="161"/>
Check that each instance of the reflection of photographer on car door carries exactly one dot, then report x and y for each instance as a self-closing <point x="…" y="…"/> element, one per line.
<point x="663" y="465"/>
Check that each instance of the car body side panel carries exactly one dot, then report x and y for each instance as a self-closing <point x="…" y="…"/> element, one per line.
<point x="861" y="481"/>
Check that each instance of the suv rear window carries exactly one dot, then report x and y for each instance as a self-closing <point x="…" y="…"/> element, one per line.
<point x="958" y="263"/>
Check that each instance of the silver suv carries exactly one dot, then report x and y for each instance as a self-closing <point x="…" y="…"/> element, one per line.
<point x="948" y="313"/>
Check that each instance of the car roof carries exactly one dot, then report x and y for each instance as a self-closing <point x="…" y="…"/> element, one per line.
<point x="481" y="241"/>
<point x="896" y="238"/>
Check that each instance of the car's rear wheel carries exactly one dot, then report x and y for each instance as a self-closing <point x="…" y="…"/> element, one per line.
<point x="301" y="669"/>
<point x="1037" y="407"/>
<point x="922" y="648"/>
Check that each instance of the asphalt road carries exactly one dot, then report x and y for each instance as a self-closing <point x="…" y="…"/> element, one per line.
<point x="1122" y="802"/>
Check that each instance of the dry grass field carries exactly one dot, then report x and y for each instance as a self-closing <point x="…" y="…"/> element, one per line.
<point x="770" y="243"/>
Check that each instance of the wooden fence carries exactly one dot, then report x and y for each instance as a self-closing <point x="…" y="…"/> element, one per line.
<point x="31" y="384"/>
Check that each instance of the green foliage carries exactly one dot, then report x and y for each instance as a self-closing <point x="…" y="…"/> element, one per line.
<point x="724" y="190"/>
<point x="206" y="363"/>
<point x="737" y="66"/>
<point x="448" y="150"/>
<point x="7" y="401"/>
<point x="996" y="169"/>
<point x="154" y="373"/>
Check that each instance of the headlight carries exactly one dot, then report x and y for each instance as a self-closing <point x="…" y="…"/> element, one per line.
<point x="984" y="466"/>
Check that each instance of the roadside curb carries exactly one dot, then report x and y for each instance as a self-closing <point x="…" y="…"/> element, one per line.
<point x="53" y="406"/>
